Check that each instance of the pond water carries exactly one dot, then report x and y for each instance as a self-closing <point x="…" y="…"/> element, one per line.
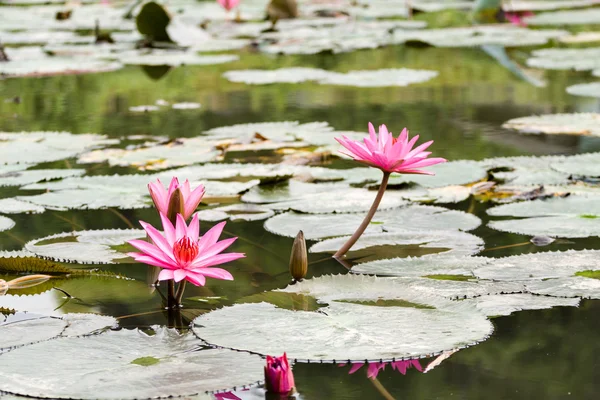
<point x="546" y="354"/>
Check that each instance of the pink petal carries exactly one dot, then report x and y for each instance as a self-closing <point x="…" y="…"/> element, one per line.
<point x="168" y="229"/>
<point x="153" y="261"/>
<point x="372" y="133"/>
<point x="158" y="240"/>
<point x="193" y="231"/>
<point x="180" y="228"/>
<point x="215" y="249"/>
<point x="216" y="260"/>
<point x="165" y="275"/>
<point x="216" y="273"/>
<point x="355" y="367"/>
<point x="419" y="149"/>
<point x="159" y="196"/>
<point x="403" y="138"/>
<point x="193" y="200"/>
<point x="210" y="237"/>
<point x="179" y="274"/>
<point x="424" y="162"/>
<point x="185" y="189"/>
<point x="195" y="279"/>
<point x="172" y="187"/>
<point x="149" y="249"/>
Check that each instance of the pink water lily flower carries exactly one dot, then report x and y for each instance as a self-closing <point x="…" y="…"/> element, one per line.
<point x="182" y="254"/>
<point x="388" y="153"/>
<point x="162" y="197"/>
<point x="278" y="375"/>
<point x="374" y="368"/>
<point x="229" y="4"/>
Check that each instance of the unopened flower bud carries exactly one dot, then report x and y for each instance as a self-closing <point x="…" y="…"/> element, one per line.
<point x="176" y="206"/>
<point x="299" y="258"/>
<point x="3" y="287"/>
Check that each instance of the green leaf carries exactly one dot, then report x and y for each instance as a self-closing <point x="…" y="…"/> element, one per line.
<point x="445" y="277"/>
<point x="589" y="274"/>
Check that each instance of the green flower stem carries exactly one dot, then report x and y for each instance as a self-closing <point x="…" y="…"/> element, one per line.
<point x="348" y="245"/>
<point x="180" y="290"/>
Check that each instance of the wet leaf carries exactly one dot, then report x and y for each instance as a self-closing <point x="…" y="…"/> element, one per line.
<point x="585" y="89"/>
<point x="83" y="367"/>
<point x="506" y="304"/>
<point x="422" y="266"/>
<point x="146" y="361"/>
<point x="576" y="286"/>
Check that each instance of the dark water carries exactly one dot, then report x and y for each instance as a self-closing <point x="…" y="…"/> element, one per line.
<point x="548" y="354"/>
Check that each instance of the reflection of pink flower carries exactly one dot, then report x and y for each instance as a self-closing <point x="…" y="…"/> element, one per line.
<point x="182" y="254"/>
<point x="388" y="153"/>
<point x="278" y="375"/>
<point x="226" y="396"/>
<point x="373" y="368"/>
<point x="162" y="197"/>
<point x="229" y="4"/>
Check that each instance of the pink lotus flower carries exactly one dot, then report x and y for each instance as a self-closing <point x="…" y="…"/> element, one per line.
<point x="373" y="368"/>
<point x="162" y="197"/>
<point x="388" y="153"/>
<point x="278" y="375"/>
<point x="182" y="254"/>
<point x="229" y="4"/>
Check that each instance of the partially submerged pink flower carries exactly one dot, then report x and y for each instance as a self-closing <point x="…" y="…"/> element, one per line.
<point x="162" y="197"/>
<point x="278" y="375"/>
<point x="228" y="4"/>
<point x="226" y="396"/>
<point x="388" y="153"/>
<point x="182" y="254"/>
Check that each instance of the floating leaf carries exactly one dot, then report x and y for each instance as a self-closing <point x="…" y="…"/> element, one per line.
<point x="506" y="304"/>
<point x="236" y="212"/>
<point x="587" y="165"/>
<point x="447" y="242"/>
<point x="421" y="266"/>
<point x="423" y="218"/>
<point x="14" y="206"/>
<point x="81" y="368"/>
<point x="84" y="247"/>
<point x="572" y="205"/>
<point x="570" y="226"/>
<point x="575" y="286"/>
<point x="543" y="5"/>
<point x="185" y="106"/>
<point x="20" y="178"/>
<point x="38" y="147"/>
<point x="586" y="124"/>
<point x="57" y="66"/>
<point x="367" y="78"/>
<point x="575" y="17"/>
<point x="21" y="333"/>
<point x="26" y="262"/>
<point x="585" y="89"/>
<point x="6" y="223"/>
<point x="345" y="330"/>
<point x="526" y="170"/>
<point x="86" y="324"/>
<point x="539" y="265"/>
<point x="579" y="59"/>
<point x="460" y="172"/>
<point x="174" y="58"/>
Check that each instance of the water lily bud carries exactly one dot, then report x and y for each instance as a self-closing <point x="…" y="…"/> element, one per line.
<point x="299" y="257"/>
<point x="3" y="287"/>
<point x="176" y="206"/>
<point x="25" y="282"/>
<point x="278" y="375"/>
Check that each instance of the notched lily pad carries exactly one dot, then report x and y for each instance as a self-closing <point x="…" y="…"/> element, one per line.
<point x="6" y="223"/>
<point x="506" y="304"/>
<point x="344" y="329"/>
<point x="84" y="247"/>
<point x="68" y="368"/>
<point x="20" y="178"/>
<point x="422" y="266"/>
<point x="576" y="286"/>
<point x="26" y="262"/>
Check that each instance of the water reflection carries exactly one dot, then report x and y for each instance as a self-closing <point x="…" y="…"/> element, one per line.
<point x="373" y="368"/>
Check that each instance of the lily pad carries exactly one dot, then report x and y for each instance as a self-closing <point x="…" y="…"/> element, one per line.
<point x="575" y="286"/>
<point x="367" y="78"/>
<point x="174" y="58"/>
<point x="6" y="223"/>
<point x="236" y="212"/>
<point x="586" y="124"/>
<point x="570" y="226"/>
<point x="81" y="368"/>
<point x="57" y="66"/>
<point x="585" y="89"/>
<point x="460" y="172"/>
<point x="344" y="329"/>
<point x="86" y="324"/>
<point x="29" y="331"/>
<point x="587" y="165"/>
<point x="579" y="59"/>
<point x="574" y="206"/>
<point x="589" y="16"/>
<point x="20" y="178"/>
<point x="26" y="262"/>
<point x="526" y="170"/>
<point x="545" y="5"/>
<point x="506" y="35"/>
<point x="422" y="266"/>
<point x="84" y="247"/>
<point x="14" y="206"/>
<point x="506" y="304"/>
<point x="539" y="266"/>
<point x="449" y="242"/>
<point x="414" y="217"/>
<point x="38" y="147"/>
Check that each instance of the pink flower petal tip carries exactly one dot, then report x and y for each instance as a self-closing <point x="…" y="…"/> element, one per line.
<point x="228" y="4"/>
<point x="162" y="197"/>
<point x="390" y="154"/>
<point x="278" y="375"/>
